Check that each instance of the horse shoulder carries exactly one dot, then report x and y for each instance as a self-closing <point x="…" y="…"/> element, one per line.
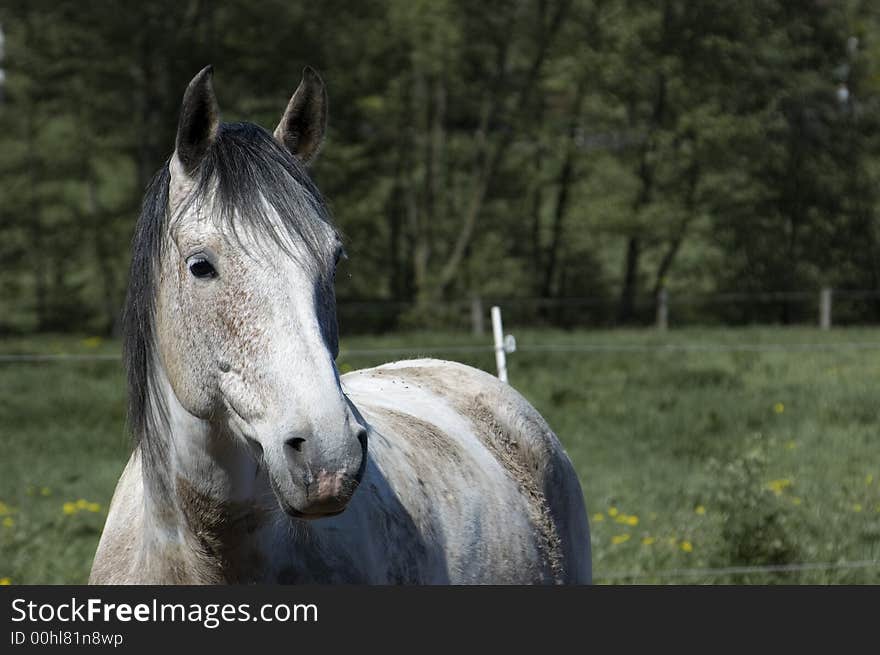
<point x="119" y="545"/>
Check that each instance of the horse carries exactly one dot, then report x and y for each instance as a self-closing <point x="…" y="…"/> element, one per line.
<point x="254" y="461"/>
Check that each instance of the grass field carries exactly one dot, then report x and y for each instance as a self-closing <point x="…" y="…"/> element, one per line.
<point x="689" y="460"/>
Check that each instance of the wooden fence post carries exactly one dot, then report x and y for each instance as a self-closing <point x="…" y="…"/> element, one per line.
<point x="662" y="309"/>
<point x="825" y="308"/>
<point x="477" y="316"/>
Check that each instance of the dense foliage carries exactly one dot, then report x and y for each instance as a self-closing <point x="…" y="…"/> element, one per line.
<point x="509" y="148"/>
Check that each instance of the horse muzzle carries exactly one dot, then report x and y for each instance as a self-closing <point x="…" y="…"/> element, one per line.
<point x="311" y="489"/>
<point x="328" y="494"/>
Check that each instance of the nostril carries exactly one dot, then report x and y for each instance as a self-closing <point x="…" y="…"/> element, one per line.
<point x="362" y="437"/>
<point x="296" y="443"/>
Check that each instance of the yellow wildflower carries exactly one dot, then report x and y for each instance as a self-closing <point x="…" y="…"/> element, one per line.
<point x="779" y="408"/>
<point x="45" y="491"/>
<point x="598" y="517"/>
<point x="92" y="342"/>
<point x="4" y="582"/>
<point x="778" y="486"/>
<point x="687" y="546"/>
<point x="632" y="520"/>
<point x="699" y="509"/>
<point x="612" y="511"/>
<point x="857" y="507"/>
<point x="619" y="539"/>
<point x="647" y="541"/>
<point x="94" y="507"/>
<point x="8" y="522"/>
<point x="4" y="509"/>
<point x="69" y="508"/>
<point x="796" y="501"/>
<point x="82" y="503"/>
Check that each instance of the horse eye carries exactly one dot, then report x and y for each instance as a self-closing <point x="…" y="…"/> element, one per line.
<point x="202" y="268"/>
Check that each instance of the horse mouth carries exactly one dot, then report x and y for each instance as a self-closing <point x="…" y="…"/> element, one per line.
<point x="313" y="516"/>
<point x="293" y="512"/>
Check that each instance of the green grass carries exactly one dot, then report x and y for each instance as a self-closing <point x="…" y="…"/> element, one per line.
<point x="708" y="458"/>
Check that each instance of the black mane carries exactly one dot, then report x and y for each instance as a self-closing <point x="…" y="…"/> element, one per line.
<point x="245" y="168"/>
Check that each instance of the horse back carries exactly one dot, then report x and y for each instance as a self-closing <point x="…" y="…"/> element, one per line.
<point x="519" y="439"/>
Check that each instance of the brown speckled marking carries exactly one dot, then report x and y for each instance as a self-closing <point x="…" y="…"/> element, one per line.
<point x="223" y="532"/>
<point x="426" y="437"/>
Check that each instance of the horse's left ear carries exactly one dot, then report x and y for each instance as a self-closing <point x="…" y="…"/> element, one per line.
<point x="301" y="129"/>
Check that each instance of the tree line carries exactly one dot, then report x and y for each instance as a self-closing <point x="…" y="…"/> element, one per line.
<point x="509" y="149"/>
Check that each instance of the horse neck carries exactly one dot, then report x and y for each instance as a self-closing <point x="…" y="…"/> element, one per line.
<point x="204" y="496"/>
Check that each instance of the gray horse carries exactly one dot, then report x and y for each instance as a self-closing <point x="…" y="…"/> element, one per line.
<point x="255" y="462"/>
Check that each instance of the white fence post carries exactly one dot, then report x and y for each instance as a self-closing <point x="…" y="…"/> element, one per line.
<point x="662" y="309"/>
<point x="825" y="308"/>
<point x="500" y="353"/>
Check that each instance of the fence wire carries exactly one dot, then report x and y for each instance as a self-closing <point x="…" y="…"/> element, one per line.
<point x="537" y="347"/>
<point x="60" y="357"/>
<point x="736" y="570"/>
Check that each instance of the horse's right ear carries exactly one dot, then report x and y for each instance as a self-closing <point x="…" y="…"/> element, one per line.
<point x="199" y="121"/>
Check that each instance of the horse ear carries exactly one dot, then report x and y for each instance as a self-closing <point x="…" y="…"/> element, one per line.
<point x="301" y="129"/>
<point x="199" y="120"/>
